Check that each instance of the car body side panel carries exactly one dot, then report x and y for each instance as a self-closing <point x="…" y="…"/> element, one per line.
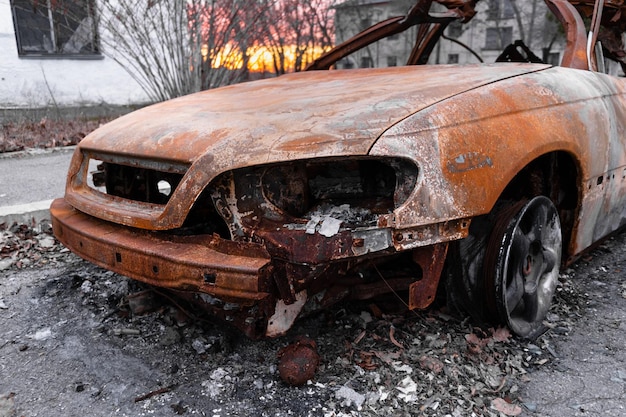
<point x="610" y="187"/>
<point x="472" y="146"/>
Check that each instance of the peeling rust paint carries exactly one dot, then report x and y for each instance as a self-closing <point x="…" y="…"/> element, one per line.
<point x="431" y="259"/>
<point x="468" y="162"/>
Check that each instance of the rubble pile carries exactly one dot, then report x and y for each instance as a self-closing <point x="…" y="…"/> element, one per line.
<point x="30" y="246"/>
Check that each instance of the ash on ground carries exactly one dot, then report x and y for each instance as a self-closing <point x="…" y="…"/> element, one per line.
<point x="80" y="340"/>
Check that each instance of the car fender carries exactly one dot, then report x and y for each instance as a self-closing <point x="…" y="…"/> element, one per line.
<point x="471" y="146"/>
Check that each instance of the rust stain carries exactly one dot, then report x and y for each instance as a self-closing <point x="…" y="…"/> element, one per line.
<point x="469" y="161"/>
<point x="431" y="259"/>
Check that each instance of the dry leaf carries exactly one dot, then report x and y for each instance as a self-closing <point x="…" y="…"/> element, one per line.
<point x="472" y="338"/>
<point x="359" y="337"/>
<point x="432" y="364"/>
<point x="392" y="332"/>
<point x="387" y="357"/>
<point x="501" y="334"/>
<point x="506" y="408"/>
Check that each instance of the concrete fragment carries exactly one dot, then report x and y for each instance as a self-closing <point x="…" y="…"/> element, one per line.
<point x="350" y="397"/>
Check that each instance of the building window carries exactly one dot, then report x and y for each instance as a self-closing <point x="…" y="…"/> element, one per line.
<point x="455" y="29"/>
<point x="365" y="23"/>
<point x="55" y="27"/>
<point x="553" y="58"/>
<point x="453" y="58"/>
<point x="494" y="9"/>
<point x="366" y="62"/>
<point x="392" y="61"/>
<point x="498" y="38"/>
<point x="500" y="9"/>
<point x="345" y="63"/>
<point x="507" y="11"/>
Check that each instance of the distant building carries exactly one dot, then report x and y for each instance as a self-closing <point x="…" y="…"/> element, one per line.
<point x="493" y="28"/>
<point x="51" y="56"/>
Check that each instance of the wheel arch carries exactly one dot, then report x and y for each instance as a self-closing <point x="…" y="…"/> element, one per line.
<point x="556" y="175"/>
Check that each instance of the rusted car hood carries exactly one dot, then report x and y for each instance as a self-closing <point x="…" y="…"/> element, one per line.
<point x="313" y="114"/>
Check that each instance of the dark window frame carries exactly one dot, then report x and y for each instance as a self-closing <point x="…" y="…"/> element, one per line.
<point x="453" y="58"/>
<point x="500" y="9"/>
<point x="455" y="29"/>
<point x="497" y="38"/>
<point x="508" y="12"/>
<point x="366" y="62"/>
<point x="48" y="29"/>
<point x="553" y="58"/>
<point x="493" y="12"/>
<point x="365" y="23"/>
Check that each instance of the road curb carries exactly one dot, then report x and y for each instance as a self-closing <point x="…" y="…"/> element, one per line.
<point x="32" y="212"/>
<point x="36" y="151"/>
<point x="25" y="213"/>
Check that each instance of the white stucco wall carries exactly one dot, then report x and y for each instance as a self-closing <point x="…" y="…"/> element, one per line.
<point x="40" y="82"/>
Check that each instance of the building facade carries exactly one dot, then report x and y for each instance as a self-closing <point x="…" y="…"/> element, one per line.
<point x="51" y="56"/>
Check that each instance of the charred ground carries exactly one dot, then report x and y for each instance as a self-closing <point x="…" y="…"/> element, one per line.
<point x="74" y="343"/>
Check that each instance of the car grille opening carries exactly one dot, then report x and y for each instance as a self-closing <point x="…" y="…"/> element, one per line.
<point x="133" y="183"/>
<point x="153" y="182"/>
<point x="204" y="219"/>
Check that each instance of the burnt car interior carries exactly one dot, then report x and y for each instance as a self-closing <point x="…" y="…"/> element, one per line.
<point x="299" y="235"/>
<point x="607" y="24"/>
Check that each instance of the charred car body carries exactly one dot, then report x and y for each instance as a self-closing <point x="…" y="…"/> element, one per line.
<point x="265" y="200"/>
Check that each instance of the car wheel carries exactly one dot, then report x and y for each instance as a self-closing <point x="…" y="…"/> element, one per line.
<point x="522" y="265"/>
<point x="506" y="270"/>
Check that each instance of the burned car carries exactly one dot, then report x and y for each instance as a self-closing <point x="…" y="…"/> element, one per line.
<point x="267" y="200"/>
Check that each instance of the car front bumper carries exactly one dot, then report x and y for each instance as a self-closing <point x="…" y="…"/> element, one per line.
<point x="220" y="271"/>
<point x="235" y="281"/>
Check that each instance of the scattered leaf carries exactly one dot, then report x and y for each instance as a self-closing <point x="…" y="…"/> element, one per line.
<point x="392" y="332"/>
<point x="432" y="364"/>
<point x="387" y="357"/>
<point x="506" y="408"/>
<point x="501" y="334"/>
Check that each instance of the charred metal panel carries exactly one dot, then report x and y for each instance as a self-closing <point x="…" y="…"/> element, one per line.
<point x="208" y="130"/>
<point x="504" y="124"/>
<point x="404" y="239"/>
<point x="575" y="55"/>
<point x="431" y="259"/>
<point x="203" y="263"/>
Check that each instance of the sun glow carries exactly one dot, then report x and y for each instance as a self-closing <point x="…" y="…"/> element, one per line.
<point x="259" y="58"/>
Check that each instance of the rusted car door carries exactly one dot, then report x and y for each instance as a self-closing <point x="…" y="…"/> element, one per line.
<point x="604" y="190"/>
<point x="612" y="184"/>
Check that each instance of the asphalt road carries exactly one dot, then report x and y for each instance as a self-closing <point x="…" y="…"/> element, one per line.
<point x="587" y="375"/>
<point x="33" y="177"/>
<point x="29" y="181"/>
